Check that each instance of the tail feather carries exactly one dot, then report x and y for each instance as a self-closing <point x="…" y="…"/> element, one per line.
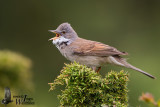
<point x="127" y="65"/>
<point x="139" y="70"/>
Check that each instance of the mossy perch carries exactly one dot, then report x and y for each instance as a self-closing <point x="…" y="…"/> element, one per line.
<point x="84" y="87"/>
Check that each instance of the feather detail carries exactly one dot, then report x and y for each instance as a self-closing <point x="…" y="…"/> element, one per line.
<point x="93" y="48"/>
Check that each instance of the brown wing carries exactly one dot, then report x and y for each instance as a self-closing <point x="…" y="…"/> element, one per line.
<point x="92" y="48"/>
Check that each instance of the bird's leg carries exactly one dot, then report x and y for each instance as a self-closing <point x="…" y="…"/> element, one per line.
<point x="94" y="68"/>
<point x="99" y="68"/>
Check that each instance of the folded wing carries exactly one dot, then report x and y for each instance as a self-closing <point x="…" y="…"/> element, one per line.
<point x="92" y="48"/>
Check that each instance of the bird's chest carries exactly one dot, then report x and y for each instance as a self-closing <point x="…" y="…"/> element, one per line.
<point x="65" y="51"/>
<point x="86" y="60"/>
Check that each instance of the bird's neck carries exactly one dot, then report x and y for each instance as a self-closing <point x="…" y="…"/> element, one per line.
<point x="61" y="42"/>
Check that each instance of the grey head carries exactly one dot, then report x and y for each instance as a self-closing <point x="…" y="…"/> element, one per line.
<point x="65" y="30"/>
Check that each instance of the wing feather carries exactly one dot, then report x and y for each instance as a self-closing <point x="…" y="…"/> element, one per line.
<point x="92" y="48"/>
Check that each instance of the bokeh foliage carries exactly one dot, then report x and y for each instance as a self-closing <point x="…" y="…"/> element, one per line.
<point x="15" y="73"/>
<point x="148" y="98"/>
<point x="15" y="70"/>
<point x="84" y="87"/>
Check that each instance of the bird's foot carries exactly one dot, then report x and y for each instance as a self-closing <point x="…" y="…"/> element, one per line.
<point x="99" y="68"/>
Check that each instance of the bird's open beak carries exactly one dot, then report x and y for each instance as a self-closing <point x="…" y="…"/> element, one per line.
<point x="54" y="38"/>
<point x="53" y="31"/>
<point x="57" y="34"/>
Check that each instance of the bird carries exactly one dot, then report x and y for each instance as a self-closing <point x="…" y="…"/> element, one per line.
<point x="87" y="52"/>
<point x="7" y="96"/>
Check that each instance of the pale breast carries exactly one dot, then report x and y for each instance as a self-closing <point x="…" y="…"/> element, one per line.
<point x="85" y="60"/>
<point x="67" y="52"/>
<point x="90" y="60"/>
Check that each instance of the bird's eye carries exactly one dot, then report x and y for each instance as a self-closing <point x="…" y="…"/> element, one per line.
<point x="63" y="32"/>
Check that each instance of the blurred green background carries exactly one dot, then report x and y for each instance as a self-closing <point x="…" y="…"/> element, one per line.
<point x="128" y="25"/>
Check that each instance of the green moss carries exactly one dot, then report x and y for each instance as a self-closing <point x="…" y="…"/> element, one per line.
<point x="84" y="87"/>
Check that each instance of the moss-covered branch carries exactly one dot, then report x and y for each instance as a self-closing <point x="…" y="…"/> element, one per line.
<point x="84" y="87"/>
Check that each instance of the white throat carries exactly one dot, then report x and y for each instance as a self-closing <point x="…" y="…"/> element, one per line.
<point x="60" y="41"/>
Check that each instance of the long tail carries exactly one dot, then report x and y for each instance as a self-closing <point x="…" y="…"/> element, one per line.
<point x="124" y="63"/>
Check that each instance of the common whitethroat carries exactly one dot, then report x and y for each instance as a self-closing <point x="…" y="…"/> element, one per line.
<point x="90" y="53"/>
